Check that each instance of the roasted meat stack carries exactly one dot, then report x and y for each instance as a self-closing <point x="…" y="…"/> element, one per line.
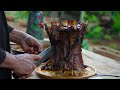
<point x="66" y="37"/>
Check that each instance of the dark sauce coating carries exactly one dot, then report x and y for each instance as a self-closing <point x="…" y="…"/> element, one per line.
<point x="66" y="40"/>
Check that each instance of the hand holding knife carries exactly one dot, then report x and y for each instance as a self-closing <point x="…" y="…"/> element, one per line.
<point x="44" y="54"/>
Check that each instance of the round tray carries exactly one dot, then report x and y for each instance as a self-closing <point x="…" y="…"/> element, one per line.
<point x="50" y="74"/>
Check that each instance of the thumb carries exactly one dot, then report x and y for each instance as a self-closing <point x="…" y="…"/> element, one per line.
<point x="36" y="57"/>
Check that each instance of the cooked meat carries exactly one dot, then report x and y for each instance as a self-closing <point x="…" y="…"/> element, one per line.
<point x="66" y="38"/>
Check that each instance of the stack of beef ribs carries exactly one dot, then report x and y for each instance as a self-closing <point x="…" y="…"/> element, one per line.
<point x="66" y="36"/>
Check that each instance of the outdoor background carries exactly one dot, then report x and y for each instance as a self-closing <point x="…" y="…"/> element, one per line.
<point x="103" y="28"/>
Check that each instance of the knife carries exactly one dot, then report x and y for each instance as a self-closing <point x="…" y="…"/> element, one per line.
<point x="44" y="54"/>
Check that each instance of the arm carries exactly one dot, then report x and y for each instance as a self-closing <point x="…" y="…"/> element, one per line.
<point x="10" y="28"/>
<point x="17" y="36"/>
<point x="2" y="55"/>
<point x="6" y="59"/>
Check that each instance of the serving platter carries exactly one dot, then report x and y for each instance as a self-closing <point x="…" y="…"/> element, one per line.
<point x="53" y="74"/>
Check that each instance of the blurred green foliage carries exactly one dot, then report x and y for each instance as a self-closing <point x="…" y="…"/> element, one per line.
<point x="95" y="29"/>
<point x="23" y="15"/>
<point x="116" y="25"/>
<point x="103" y="25"/>
<point x="95" y="32"/>
<point x="85" y="44"/>
<point x="113" y="45"/>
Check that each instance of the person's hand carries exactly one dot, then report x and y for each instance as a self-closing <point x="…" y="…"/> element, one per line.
<point x="24" y="65"/>
<point x="28" y="43"/>
<point x="31" y="45"/>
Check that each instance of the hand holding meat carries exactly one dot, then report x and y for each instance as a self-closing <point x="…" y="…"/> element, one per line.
<point x="31" y="45"/>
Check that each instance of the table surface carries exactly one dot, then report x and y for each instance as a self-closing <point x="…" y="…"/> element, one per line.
<point x="102" y="65"/>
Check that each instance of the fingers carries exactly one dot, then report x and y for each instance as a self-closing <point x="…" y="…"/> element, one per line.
<point x="38" y="46"/>
<point x="25" y="47"/>
<point x="36" y="57"/>
<point x="34" y="43"/>
<point x="40" y="49"/>
<point x="24" y="76"/>
<point x="31" y="50"/>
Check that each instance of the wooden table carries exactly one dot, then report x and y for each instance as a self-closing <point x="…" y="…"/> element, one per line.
<point x="101" y="64"/>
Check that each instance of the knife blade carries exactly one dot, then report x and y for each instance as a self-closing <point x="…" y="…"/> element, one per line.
<point x="45" y="55"/>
